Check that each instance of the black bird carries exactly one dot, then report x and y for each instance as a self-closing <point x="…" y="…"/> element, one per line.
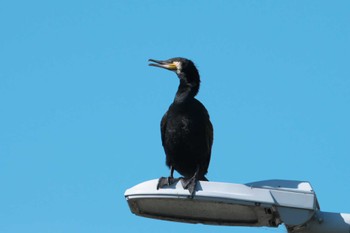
<point x="186" y="130"/>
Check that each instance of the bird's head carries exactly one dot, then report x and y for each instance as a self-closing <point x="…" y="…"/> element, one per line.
<point x="184" y="68"/>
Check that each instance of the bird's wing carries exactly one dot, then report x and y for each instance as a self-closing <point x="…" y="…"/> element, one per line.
<point x="210" y="132"/>
<point x="163" y="127"/>
<point x="210" y="137"/>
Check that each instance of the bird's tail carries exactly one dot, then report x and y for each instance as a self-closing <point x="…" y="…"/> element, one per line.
<point x="203" y="178"/>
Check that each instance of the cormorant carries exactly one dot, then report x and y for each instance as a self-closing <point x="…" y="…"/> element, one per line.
<point x="186" y="130"/>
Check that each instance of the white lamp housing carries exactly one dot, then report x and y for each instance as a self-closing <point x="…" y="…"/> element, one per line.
<point x="264" y="203"/>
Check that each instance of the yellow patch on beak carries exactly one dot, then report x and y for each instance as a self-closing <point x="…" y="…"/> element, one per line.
<point x="171" y="66"/>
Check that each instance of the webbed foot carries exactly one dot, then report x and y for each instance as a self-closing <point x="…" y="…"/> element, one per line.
<point x="166" y="181"/>
<point x="190" y="184"/>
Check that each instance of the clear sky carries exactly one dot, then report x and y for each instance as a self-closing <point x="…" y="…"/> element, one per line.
<point x="80" y="108"/>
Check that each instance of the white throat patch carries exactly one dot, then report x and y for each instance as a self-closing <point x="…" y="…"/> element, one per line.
<point x="178" y="66"/>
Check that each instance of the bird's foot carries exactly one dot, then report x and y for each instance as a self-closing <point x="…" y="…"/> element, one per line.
<point x="166" y="181"/>
<point x="190" y="184"/>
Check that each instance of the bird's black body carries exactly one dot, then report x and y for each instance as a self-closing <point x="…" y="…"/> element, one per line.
<point x="186" y="130"/>
<point x="187" y="138"/>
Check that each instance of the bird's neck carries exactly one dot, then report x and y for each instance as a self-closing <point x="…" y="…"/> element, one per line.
<point x="186" y="91"/>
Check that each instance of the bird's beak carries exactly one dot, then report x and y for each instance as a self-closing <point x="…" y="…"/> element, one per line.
<point x="163" y="64"/>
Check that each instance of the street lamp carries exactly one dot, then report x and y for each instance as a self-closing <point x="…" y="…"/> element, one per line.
<point x="264" y="203"/>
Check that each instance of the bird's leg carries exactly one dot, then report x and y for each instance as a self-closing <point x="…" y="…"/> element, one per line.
<point x="167" y="181"/>
<point x="190" y="183"/>
<point x="171" y="179"/>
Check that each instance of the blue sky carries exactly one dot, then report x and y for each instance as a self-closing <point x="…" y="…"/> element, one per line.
<point x="80" y="108"/>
